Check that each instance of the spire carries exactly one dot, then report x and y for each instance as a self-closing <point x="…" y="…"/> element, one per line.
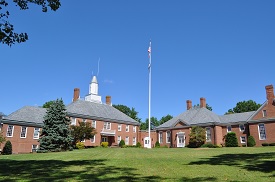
<point x="93" y="92"/>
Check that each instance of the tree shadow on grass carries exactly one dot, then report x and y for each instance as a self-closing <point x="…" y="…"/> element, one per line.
<point x="58" y="170"/>
<point x="199" y="179"/>
<point x="262" y="162"/>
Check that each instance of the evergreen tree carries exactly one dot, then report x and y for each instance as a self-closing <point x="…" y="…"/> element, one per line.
<point x="56" y="134"/>
<point x="251" y="141"/>
<point x="7" y="150"/>
<point x="231" y="140"/>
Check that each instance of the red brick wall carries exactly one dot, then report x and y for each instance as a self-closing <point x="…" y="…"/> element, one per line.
<point x="143" y="134"/>
<point x="269" y="129"/>
<point x="236" y="129"/>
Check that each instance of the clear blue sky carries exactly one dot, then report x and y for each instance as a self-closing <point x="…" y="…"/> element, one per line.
<point x="220" y="50"/>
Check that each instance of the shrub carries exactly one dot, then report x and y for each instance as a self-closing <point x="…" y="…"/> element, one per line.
<point x="272" y="144"/>
<point x="243" y="145"/>
<point x="208" y="145"/>
<point x="138" y="145"/>
<point x="104" y="144"/>
<point x="121" y="143"/>
<point x="231" y="140"/>
<point x="7" y="150"/>
<point x="251" y="141"/>
<point x="157" y="145"/>
<point x="265" y="144"/>
<point x="80" y="145"/>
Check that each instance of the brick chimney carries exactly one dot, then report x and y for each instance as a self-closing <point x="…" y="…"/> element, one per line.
<point x="108" y="100"/>
<point x="76" y="94"/>
<point x="189" y="104"/>
<point x="269" y="93"/>
<point x="202" y="102"/>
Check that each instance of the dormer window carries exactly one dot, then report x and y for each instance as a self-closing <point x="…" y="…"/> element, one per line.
<point x="264" y="113"/>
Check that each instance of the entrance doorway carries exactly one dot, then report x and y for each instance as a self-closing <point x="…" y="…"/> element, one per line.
<point x="181" y="139"/>
<point x="146" y="142"/>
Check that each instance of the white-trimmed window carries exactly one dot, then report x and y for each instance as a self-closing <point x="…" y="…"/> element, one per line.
<point x="208" y="134"/>
<point x="127" y="140"/>
<point x="118" y="139"/>
<point x="93" y="123"/>
<point x="229" y="128"/>
<point x="242" y="128"/>
<point x="168" y="136"/>
<point x="119" y="127"/>
<point x="160" y="137"/>
<point x="23" y="133"/>
<point x="107" y="125"/>
<point x="264" y="113"/>
<point x="10" y="131"/>
<point x="93" y="139"/>
<point x="243" y="139"/>
<point x="73" y="121"/>
<point x="134" y="129"/>
<point x="134" y="141"/>
<point x="34" y="148"/>
<point x="36" y="133"/>
<point x="262" y="134"/>
<point x="127" y="128"/>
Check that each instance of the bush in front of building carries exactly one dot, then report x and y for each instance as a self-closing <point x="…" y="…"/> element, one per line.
<point x="231" y="140"/>
<point x="157" y="145"/>
<point x="80" y="145"/>
<point x="251" y="141"/>
<point x="265" y="144"/>
<point x="138" y="145"/>
<point x="7" y="150"/>
<point x="104" y="144"/>
<point x="121" y="143"/>
<point x="272" y="144"/>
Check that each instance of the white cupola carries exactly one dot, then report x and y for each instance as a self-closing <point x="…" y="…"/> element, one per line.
<point x="93" y="92"/>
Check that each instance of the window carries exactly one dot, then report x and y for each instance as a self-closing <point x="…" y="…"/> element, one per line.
<point x="36" y="133"/>
<point x="107" y="125"/>
<point x="73" y="121"/>
<point x="208" y="134"/>
<point x="241" y="126"/>
<point x="160" y="137"/>
<point x="104" y="139"/>
<point x="127" y="128"/>
<point x="134" y="141"/>
<point x="264" y="113"/>
<point x="93" y="139"/>
<point x="10" y="131"/>
<point x="168" y="136"/>
<point x="118" y="139"/>
<point x="23" y="133"/>
<point x="34" y="148"/>
<point x="229" y="129"/>
<point x="262" y="134"/>
<point x="134" y="129"/>
<point x="119" y="127"/>
<point x="94" y="124"/>
<point x="127" y="141"/>
<point x="243" y="139"/>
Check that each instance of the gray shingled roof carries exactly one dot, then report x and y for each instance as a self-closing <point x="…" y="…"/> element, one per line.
<point x="28" y="114"/>
<point x="98" y="111"/>
<point x="197" y="116"/>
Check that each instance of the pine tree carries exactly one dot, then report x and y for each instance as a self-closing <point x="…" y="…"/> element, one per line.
<point x="56" y="133"/>
<point x="7" y="150"/>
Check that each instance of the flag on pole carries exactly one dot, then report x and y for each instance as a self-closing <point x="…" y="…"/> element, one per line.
<point x="149" y="54"/>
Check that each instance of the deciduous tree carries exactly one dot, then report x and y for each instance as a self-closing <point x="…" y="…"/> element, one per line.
<point x="132" y="113"/>
<point x="197" y="137"/>
<point x="165" y="118"/>
<point x="83" y="131"/>
<point x="244" y="106"/>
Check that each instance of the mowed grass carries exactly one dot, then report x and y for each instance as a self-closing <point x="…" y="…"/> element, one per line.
<point x="134" y="164"/>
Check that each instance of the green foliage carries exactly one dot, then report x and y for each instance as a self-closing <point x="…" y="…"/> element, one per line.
<point x="207" y="107"/>
<point x="56" y="132"/>
<point x="244" y="106"/>
<point x="165" y="118"/>
<point x="7" y="34"/>
<point x="121" y="143"/>
<point x="265" y="144"/>
<point x="138" y="145"/>
<point x="7" y="150"/>
<point x="83" y="131"/>
<point x="272" y="144"/>
<point x="231" y="140"/>
<point x="251" y="141"/>
<point x="132" y="113"/>
<point x="80" y="145"/>
<point x="48" y="104"/>
<point x="2" y="138"/>
<point x="157" y="145"/>
<point x="104" y="144"/>
<point x="197" y="137"/>
<point x="208" y="145"/>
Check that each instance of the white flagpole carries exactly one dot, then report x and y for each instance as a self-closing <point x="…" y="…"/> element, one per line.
<point x="149" y="112"/>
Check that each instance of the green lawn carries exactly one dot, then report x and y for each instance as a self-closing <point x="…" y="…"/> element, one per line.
<point x="133" y="164"/>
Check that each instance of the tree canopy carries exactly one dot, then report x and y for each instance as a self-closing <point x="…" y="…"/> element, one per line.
<point x="207" y="106"/>
<point x="244" y="106"/>
<point x="83" y="131"/>
<point x="132" y="113"/>
<point x="56" y="134"/>
<point x="165" y="118"/>
<point x="197" y="137"/>
<point x="48" y="104"/>
<point x="7" y="34"/>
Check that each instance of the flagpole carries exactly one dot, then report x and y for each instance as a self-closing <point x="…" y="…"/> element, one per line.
<point x="149" y="110"/>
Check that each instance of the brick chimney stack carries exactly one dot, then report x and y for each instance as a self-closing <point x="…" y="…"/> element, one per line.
<point x="202" y="102"/>
<point x="269" y="93"/>
<point x="108" y="100"/>
<point x="76" y="94"/>
<point x="189" y="104"/>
